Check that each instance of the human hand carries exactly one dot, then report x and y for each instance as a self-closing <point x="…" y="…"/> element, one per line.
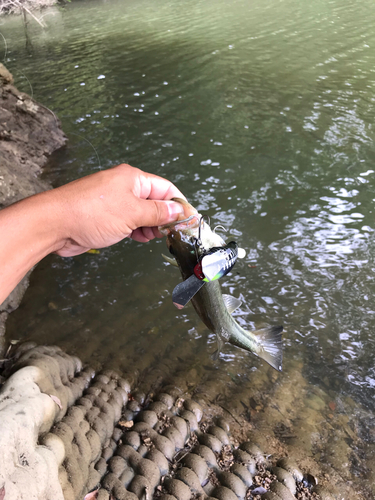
<point x="103" y="208"/>
<point x="93" y="212"/>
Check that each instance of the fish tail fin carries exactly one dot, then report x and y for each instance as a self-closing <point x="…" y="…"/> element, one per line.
<point x="271" y="346"/>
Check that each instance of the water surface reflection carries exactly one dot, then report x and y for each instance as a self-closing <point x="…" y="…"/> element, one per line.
<point x="262" y="113"/>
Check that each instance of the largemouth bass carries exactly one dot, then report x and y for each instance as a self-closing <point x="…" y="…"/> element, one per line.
<point x="187" y="240"/>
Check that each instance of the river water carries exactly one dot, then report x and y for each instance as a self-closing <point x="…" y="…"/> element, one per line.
<point x="262" y="113"/>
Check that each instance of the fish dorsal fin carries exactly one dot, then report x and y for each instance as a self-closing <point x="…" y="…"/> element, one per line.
<point x="231" y="303"/>
<point x="170" y="260"/>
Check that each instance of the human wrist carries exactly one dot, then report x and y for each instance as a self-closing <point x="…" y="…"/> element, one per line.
<point x="30" y="230"/>
<point x="48" y="222"/>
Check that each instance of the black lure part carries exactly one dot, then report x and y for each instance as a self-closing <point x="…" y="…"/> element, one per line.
<point x="186" y="290"/>
<point x="214" y="264"/>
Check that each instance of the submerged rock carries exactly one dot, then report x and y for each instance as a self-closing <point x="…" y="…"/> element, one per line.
<point x="73" y="437"/>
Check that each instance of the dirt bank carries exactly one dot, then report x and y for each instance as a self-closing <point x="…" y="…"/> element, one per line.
<point x="29" y="134"/>
<point x="24" y="7"/>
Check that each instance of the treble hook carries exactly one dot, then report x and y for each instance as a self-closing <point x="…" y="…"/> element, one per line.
<point x="199" y="240"/>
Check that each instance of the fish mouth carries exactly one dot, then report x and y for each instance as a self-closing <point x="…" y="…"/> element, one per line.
<point x="183" y="226"/>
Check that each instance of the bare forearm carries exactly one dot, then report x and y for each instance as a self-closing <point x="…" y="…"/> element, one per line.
<point x="29" y="230"/>
<point x="93" y="212"/>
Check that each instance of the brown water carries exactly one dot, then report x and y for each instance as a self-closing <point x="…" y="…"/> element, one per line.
<point x="262" y="113"/>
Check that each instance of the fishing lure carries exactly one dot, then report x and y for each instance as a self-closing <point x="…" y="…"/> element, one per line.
<point x="213" y="264"/>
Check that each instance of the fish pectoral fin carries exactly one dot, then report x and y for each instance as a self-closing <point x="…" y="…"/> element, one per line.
<point x="231" y="303"/>
<point x="220" y="345"/>
<point x="170" y="260"/>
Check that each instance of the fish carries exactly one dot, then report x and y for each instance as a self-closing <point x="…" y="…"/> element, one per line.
<point x="188" y="240"/>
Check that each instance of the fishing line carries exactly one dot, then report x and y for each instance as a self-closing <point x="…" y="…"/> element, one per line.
<point x="50" y="110"/>
<point x="97" y="155"/>
<point x="6" y="46"/>
<point x="31" y="88"/>
<point x="199" y="241"/>
<point x="45" y="107"/>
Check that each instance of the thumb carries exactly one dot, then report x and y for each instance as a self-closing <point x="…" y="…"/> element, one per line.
<point x="158" y="212"/>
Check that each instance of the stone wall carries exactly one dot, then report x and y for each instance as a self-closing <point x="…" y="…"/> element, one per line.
<point x="29" y="134"/>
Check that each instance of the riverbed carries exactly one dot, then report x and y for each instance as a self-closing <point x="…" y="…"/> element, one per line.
<point x="262" y="113"/>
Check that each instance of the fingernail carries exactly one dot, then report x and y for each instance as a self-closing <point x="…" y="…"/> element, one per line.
<point x="174" y="209"/>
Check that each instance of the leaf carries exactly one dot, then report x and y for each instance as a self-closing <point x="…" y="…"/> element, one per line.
<point x="93" y="495"/>
<point x="57" y="401"/>
<point x="93" y="251"/>
<point x="332" y="405"/>
<point x="126" y="423"/>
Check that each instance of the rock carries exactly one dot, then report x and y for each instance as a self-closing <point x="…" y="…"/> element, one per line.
<point x="285" y="478"/>
<point x="194" y="407"/>
<point x="290" y="466"/>
<point x="197" y="464"/>
<point x="190" y="418"/>
<point x="253" y="450"/>
<point x="240" y="456"/>
<point x="5" y="75"/>
<point x="189" y="477"/>
<point x="159" y="459"/>
<point x="29" y="133"/>
<point x="132" y="438"/>
<point x="178" y="489"/>
<point x="323" y="493"/>
<point x="233" y="482"/>
<point x="147" y="416"/>
<point x="167" y="399"/>
<point x="223" y="424"/>
<point x="211" y="442"/>
<point x="270" y="495"/>
<point x="219" y="433"/>
<point x="223" y="493"/>
<point x="207" y="454"/>
<point x="243" y="473"/>
<point x="282" y="491"/>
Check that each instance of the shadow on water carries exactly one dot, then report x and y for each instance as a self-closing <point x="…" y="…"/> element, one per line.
<point x="262" y="115"/>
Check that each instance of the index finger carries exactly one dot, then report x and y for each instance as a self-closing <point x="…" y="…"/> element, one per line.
<point x="154" y="187"/>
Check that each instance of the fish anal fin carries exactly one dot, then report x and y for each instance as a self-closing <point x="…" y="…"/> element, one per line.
<point x="170" y="260"/>
<point x="220" y="344"/>
<point x="231" y="303"/>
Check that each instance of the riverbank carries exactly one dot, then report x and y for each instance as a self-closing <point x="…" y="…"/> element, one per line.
<point x="23" y="6"/>
<point x="29" y="134"/>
